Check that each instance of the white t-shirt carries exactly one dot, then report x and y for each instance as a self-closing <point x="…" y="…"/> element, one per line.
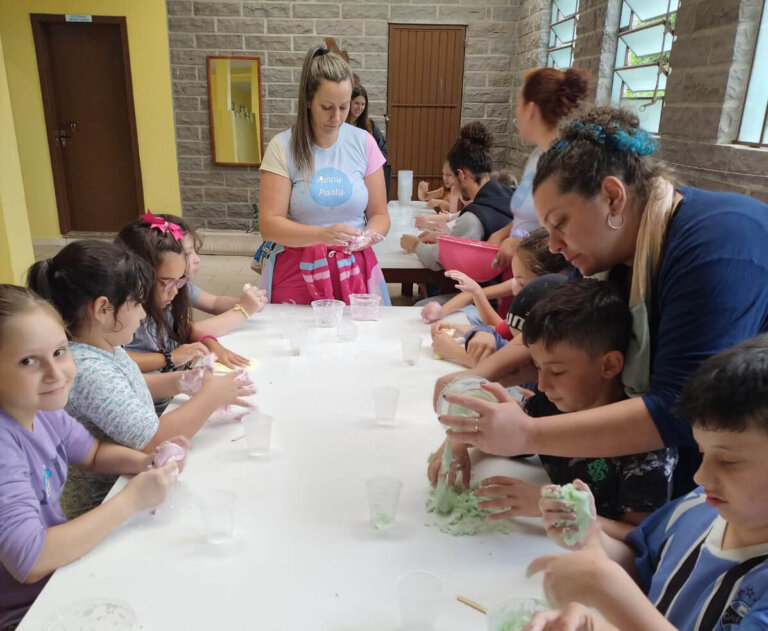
<point x="336" y="191"/>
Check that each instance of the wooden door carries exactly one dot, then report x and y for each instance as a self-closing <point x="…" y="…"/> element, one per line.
<point x="424" y="87"/>
<point x="85" y="78"/>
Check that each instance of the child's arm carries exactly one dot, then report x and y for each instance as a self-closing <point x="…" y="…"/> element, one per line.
<point x="466" y="285"/>
<point x="591" y="578"/>
<point x="462" y="299"/>
<point x="251" y="301"/>
<point x="163" y="385"/>
<point x="213" y="304"/>
<point x="502" y="233"/>
<point x="69" y="541"/>
<point x="445" y="347"/>
<point x="150" y="362"/>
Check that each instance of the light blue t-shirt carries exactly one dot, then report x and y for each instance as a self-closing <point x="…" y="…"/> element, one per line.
<point x="521" y="205"/>
<point x="110" y="397"/>
<point x="336" y="191"/>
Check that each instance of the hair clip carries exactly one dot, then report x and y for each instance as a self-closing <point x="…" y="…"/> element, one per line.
<point x="163" y="225"/>
<point x="323" y="50"/>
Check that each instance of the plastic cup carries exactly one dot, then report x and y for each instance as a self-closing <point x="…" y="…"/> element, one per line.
<point x="411" y="345"/>
<point x="258" y="433"/>
<point x="385" y="404"/>
<point x="383" y="496"/>
<point x="97" y="613"/>
<point x="404" y="186"/>
<point x="217" y="508"/>
<point x="418" y="593"/>
<point x="328" y="313"/>
<point x="364" y="306"/>
<point x="297" y="339"/>
<point x="347" y="331"/>
<point x="513" y="614"/>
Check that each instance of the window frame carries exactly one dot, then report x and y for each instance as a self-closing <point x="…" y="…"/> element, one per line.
<point x="562" y="46"/>
<point x="762" y="142"/>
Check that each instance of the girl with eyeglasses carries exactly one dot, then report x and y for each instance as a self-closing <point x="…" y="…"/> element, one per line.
<point x="168" y="339"/>
<point x="99" y="289"/>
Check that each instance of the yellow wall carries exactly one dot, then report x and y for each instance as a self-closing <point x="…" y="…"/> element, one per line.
<point x="151" y="77"/>
<point x="15" y="242"/>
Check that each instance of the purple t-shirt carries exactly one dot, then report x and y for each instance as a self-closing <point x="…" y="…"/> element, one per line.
<point x="33" y="469"/>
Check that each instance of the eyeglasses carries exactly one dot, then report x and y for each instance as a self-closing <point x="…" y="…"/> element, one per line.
<point x="169" y="285"/>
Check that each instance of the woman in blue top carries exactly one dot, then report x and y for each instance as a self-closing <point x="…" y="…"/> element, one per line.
<point x="696" y="267"/>
<point x="322" y="196"/>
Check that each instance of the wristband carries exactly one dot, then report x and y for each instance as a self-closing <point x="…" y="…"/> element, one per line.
<point x="207" y="337"/>
<point x="169" y="365"/>
<point x="241" y="309"/>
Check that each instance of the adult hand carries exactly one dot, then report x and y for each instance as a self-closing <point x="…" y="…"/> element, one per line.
<point x="338" y="234"/>
<point x="506" y="251"/>
<point x="444" y="381"/>
<point x="431" y="311"/>
<point x="481" y="344"/>
<point x="517" y="498"/>
<point x="149" y="488"/>
<point x="464" y="282"/>
<point x="558" y="517"/>
<point x="365" y="240"/>
<point x="187" y="352"/>
<point x="422" y="190"/>
<point x="573" y="617"/>
<point x="502" y="429"/>
<point x="228" y="389"/>
<point x="253" y="299"/>
<point x="459" y="463"/>
<point x="409" y="242"/>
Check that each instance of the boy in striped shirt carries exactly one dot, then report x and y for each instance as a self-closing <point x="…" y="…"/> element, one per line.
<point x="699" y="563"/>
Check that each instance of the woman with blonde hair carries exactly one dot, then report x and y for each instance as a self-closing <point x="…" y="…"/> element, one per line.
<point x="322" y="197"/>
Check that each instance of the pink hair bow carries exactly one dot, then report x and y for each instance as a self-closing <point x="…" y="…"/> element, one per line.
<point x="163" y="226"/>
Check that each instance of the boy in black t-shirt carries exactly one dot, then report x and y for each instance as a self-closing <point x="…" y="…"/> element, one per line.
<point x="577" y="335"/>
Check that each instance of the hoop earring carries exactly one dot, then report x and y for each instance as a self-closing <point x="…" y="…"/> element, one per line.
<point x="611" y="226"/>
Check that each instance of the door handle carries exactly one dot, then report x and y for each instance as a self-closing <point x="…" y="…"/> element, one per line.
<point x="65" y="132"/>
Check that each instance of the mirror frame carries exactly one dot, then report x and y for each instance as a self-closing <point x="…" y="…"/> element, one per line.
<point x="208" y="64"/>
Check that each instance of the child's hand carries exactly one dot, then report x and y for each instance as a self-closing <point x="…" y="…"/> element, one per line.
<point x="464" y="282"/>
<point x="431" y="312"/>
<point x="518" y="498"/>
<point x="459" y="463"/>
<point x="228" y="389"/>
<point x="183" y="442"/>
<point x="409" y="242"/>
<point x="575" y="576"/>
<point x="228" y="358"/>
<point x="573" y="617"/>
<point x="253" y="299"/>
<point x="150" y="488"/>
<point x="444" y="345"/>
<point x="481" y="345"/>
<point x="438" y="205"/>
<point x="187" y="352"/>
<point x="428" y="236"/>
<point x="558" y="517"/>
<point x="506" y="251"/>
<point x="422" y="190"/>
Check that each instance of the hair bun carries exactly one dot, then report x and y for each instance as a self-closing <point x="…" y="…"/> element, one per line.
<point x="477" y="135"/>
<point x="575" y="84"/>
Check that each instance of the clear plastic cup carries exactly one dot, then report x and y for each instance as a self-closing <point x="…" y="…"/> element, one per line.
<point x="513" y="614"/>
<point x="297" y="339"/>
<point x="385" y="404"/>
<point x="217" y="508"/>
<point x="364" y="306"/>
<point x="258" y="433"/>
<point x="328" y="313"/>
<point x="383" y="496"/>
<point x="404" y="186"/>
<point x="418" y="593"/>
<point x="347" y="331"/>
<point x="411" y="345"/>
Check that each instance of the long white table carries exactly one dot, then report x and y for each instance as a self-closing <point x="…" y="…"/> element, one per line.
<point x="304" y="555"/>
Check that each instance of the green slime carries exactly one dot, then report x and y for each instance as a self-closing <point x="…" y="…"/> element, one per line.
<point x="515" y="624"/>
<point x="579" y="501"/>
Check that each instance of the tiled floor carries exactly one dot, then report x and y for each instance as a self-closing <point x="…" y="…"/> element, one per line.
<point x="220" y="274"/>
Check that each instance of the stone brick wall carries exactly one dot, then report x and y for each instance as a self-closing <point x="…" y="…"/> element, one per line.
<point x="281" y="32"/>
<point x="710" y="63"/>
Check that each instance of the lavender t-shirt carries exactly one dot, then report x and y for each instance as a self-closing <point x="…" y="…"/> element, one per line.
<point x="33" y="470"/>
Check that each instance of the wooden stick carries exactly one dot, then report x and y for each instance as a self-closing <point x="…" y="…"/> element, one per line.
<point x="471" y="603"/>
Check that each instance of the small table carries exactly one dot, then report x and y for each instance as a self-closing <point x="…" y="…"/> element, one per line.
<point x="397" y="265"/>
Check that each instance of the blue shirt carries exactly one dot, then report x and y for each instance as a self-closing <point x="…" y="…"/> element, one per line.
<point x="717" y="590"/>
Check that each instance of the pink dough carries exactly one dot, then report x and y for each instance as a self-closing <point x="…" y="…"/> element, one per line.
<point x="169" y="452"/>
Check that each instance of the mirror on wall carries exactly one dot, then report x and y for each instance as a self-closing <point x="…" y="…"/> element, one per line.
<point x="234" y="97"/>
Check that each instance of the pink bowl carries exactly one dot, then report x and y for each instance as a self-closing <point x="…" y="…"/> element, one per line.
<point x="474" y="258"/>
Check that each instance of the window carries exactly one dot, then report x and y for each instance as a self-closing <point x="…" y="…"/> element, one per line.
<point x="562" y="33"/>
<point x="754" y="119"/>
<point x="646" y="32"/>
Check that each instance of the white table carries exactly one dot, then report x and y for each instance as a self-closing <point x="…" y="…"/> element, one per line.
<point x="304" y="554"/>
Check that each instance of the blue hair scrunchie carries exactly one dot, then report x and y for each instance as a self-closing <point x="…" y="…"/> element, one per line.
<point x="640" y="143"/>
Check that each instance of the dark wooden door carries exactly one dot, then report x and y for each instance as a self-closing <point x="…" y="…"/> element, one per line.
<point x="88" y="100"/>
<point x="424" y="87"/>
